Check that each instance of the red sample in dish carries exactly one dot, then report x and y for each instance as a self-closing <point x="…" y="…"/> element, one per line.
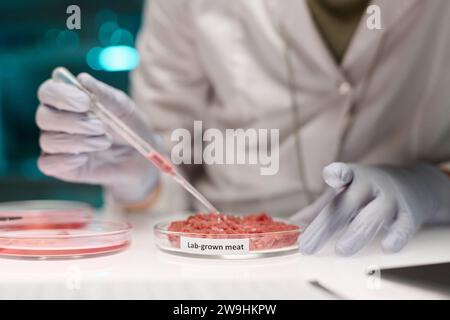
<point x="263" y="231"/>
<point x="65" y="238"/>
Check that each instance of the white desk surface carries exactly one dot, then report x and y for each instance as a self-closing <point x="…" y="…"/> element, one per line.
<point x="143" y="272"/>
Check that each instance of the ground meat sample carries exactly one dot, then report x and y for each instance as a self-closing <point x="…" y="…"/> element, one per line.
<point x="264" y="232"/>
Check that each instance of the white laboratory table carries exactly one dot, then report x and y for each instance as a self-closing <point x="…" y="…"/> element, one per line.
<point x="143" y="272"/>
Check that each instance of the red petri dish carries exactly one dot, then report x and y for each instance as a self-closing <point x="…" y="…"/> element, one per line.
<point x="62" y="239"/>
<point x="58" y="229"/>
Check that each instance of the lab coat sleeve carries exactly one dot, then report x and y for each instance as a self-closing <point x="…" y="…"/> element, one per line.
<point x="169" y="84"/>
<point x="433" y="132"/>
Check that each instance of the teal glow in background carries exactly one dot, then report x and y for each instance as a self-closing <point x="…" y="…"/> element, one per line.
<point x="116" y="58"/>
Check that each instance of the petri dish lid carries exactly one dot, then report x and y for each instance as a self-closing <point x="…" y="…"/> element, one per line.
<point x="43" y="209"/>
<point x="57" y="229"/>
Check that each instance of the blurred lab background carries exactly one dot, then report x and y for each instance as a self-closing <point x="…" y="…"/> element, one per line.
<point x="33" y="40"/>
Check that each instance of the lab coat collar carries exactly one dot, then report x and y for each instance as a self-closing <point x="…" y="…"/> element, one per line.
<point x="295" y="15"/>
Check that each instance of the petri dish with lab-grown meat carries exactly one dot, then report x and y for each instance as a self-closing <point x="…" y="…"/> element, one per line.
<point x="226" y="236"/>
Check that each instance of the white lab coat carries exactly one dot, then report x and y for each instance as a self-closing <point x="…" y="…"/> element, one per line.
<point x="222" y="62"/>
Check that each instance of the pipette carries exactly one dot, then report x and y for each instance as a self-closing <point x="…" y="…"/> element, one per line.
<point x="118" y="126"/>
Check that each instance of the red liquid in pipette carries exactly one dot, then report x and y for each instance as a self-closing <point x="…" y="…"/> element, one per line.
<point x="160" y="162"/>
<point x="165" y="166"/>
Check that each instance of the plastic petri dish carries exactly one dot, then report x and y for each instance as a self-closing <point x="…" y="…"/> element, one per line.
<point x="63" y="238"/>
<point x="57" y="229"/>
<point x="227" y="246"/>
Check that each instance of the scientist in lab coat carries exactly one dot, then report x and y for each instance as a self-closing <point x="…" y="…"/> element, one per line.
<point x="363" y="113"/>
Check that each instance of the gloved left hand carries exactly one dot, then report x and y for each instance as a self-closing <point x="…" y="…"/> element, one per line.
<point x="78" y="147"/>
<point x="365" y="199"/>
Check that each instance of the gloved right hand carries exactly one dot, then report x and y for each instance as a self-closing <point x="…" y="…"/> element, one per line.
<point x="78" y="147"/>
<point x="363" y="200"/>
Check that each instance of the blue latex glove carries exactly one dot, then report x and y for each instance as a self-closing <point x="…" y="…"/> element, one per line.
<point x="366" y="199"/>
<point x="78" y="147"/>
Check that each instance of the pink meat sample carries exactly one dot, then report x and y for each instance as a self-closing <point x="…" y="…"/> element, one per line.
<point x="264" y="232"/>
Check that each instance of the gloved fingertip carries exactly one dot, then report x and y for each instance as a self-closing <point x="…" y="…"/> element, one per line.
<point x="307" y="245"/>
<point x="98" y="143"/>
<point x="78" y="159"/>
<point x="89" y="82"/>
<point x="62" y="96"/>
<point x="337" y="175"/>
<point x="43" y="87"/>
<point x="53" y="165"/>
<point x="42" y="164"/>
<point x="117" y="101"/>
<point x="305" y="249"/>
<point x="394" y="242"/>
<point x="85" y="78"/>
<point x="301" y="218"/>
<point x="343" y="251"/>
<point x="349" y="247"/>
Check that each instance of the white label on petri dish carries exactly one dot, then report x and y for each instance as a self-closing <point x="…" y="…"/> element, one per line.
<point x="214" y="246"/>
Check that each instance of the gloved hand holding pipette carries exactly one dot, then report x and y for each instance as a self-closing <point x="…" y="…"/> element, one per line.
<point x="127" y="130"/>
<point x="78" y="147"/>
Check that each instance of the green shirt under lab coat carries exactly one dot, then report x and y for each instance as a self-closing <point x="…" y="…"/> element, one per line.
<point x="336" y="21"/>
